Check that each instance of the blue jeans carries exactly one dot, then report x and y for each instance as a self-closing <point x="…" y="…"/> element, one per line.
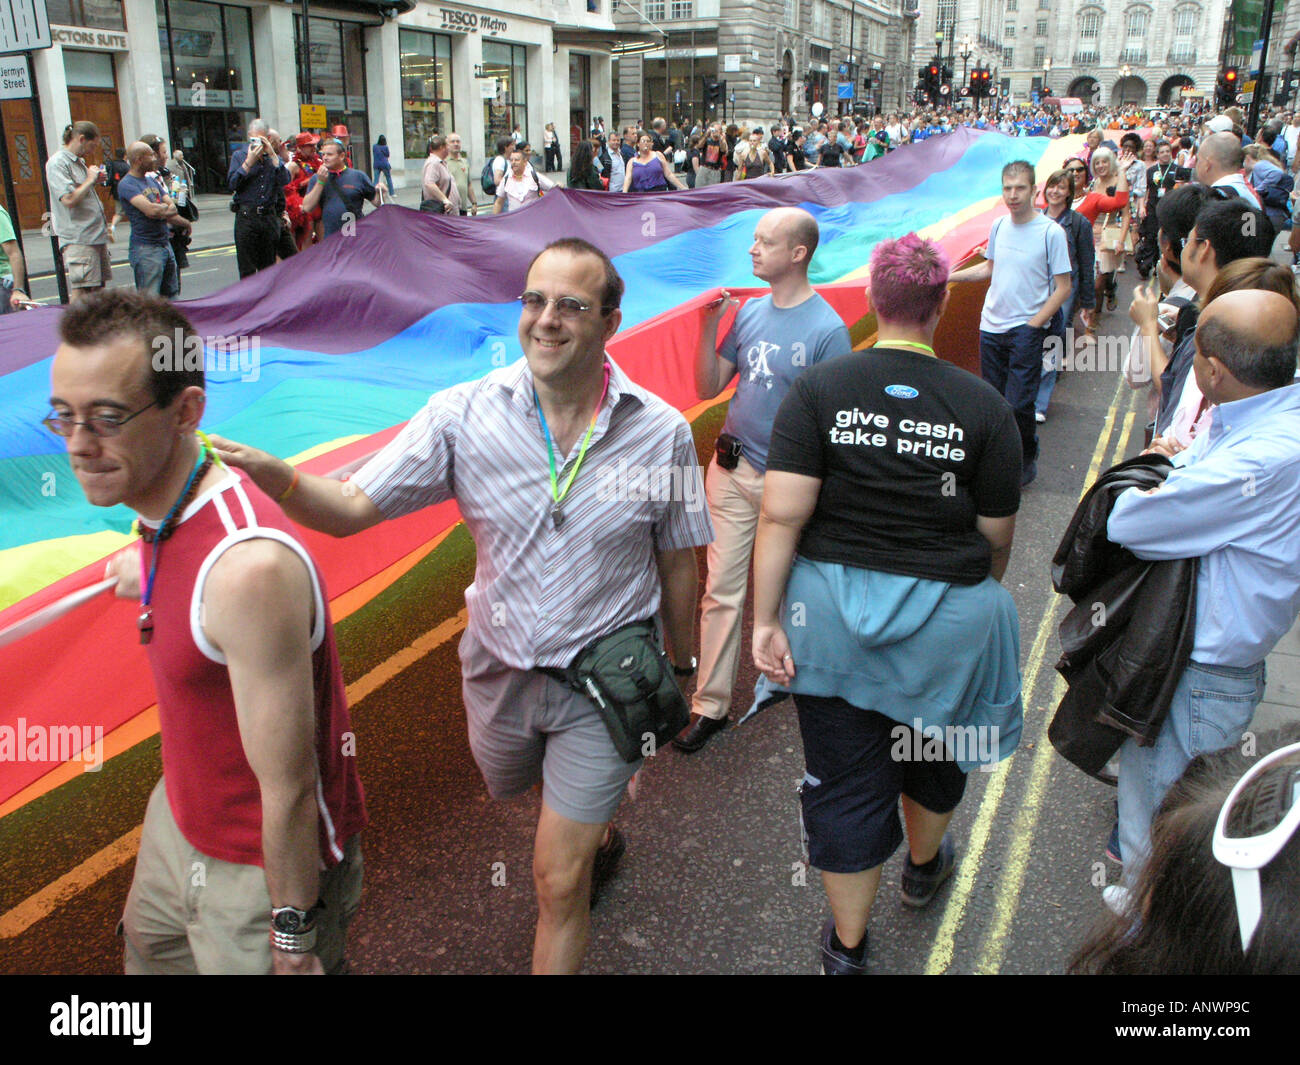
<point x="1012" y="362"/>
<point x="1211" y="708"/>
<point x="1047" y="381"/>
<point x="387" y="172"/>
<point x="154" y="267"/>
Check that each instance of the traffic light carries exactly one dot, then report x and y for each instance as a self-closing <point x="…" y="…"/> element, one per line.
<point x="713" y="93"/>
<point x="932" y="82"/>
<point x="1228" y="86"/>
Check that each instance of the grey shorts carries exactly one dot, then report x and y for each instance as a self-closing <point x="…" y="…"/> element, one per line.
<point x="525" y="728"/>
<point x="87" y="265"/>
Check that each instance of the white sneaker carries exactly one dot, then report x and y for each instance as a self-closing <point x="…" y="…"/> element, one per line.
<point x="1119" y="269"/>
<point x="1040" y="417"/>
<point x="1116" y="898"/>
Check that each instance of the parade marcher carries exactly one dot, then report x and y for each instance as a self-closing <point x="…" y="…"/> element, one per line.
<point x="76" y="213"/>
<point x="582" y="172"/>
<point x="340" y="190"/>
<point x="584" y="560"/>
<point x="257" y="175"/>
<point x="286" y="246"/>
<point x="649" y="171"/>
<point x="1219" y="161"/>
<point x="895" y="624"/>
<point x="117" y="168"/>
<point x="440" y="195"/>
<point x="754" y="158"/>
<point x="521" y="185"/>
<point x="258" y="793"/>
<point x="152" y="215"/>
<point x="773" y="340"/>
<point x="1058" y="191"/>
<point x="458" y="163"/>
<point x="1028" y="263"/>
<point x="713" y="153"/>
<point x="1162" y="177"/>
<point x="301" y="167"/>
<point x="1109" y="185"/>
<point x="1232" y="502"/>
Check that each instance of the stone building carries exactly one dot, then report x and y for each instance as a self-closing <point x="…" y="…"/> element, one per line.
<point x="767" y="57"/>
<point x="1110" y="51"/>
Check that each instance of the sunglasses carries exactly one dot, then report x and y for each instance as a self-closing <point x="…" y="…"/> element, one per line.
<point x="1251" y="832"/>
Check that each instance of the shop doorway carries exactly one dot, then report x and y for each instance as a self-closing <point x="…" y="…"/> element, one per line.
<point x="208" y="137"/>
<point x="20" y="138"/>
<point x="100" y="107"/>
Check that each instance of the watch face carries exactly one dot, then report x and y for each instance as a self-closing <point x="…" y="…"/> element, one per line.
<point x="287" y="921"/>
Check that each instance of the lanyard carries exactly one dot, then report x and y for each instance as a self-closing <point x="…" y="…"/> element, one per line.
<point x="558" y="494"/>
<point x="904" y="344"/>
<point x="145" y="622"/>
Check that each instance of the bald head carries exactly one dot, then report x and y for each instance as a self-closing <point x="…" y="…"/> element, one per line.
<point x="798" y="227"/>
<point x="1219" y="155"/>
<point x="139" y="155"/>
<point x="1253" y="334"/>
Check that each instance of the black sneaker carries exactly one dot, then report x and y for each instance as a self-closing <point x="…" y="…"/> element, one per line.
<point x="606" y="865"/>
<point x="836" y="962"/>
<point x="919" y="888"/>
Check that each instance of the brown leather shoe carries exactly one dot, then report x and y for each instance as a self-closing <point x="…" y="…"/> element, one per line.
<point x="697" y="733"/>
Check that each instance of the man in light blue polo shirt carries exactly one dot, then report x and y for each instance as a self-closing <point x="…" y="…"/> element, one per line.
<point x="773" y="340"/>
<point x="1232" y="502"/>
<point x="1027" y="264"/>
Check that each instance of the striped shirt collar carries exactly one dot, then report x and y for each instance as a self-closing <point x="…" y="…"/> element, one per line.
<point x="517" y="379"/>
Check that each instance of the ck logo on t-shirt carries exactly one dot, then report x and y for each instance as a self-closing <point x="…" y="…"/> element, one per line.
<point x="757" y="358"/>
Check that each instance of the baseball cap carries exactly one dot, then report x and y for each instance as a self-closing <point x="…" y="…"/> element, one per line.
<point x="1219" y="124"/>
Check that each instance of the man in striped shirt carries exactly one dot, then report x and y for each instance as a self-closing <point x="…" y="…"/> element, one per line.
<point x="606" y="539"/>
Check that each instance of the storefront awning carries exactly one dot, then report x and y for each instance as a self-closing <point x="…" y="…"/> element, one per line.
<point x="618" y="42"/>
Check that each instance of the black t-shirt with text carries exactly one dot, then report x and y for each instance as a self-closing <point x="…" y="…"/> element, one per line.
<point x="910" y="450"/>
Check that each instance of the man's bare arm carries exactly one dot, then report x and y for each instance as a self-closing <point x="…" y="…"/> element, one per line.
<point x="257" y="609"/>
<point x="999" y="532"/>
<point x="680" y="579"/>
<point x="339" y="508"/>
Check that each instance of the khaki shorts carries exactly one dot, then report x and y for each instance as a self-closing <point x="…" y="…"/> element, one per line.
<point x="87" y="265"/>
<point x="189" y="913"/>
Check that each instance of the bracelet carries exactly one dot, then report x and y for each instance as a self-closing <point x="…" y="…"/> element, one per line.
<point x="303" y="942"/>
<point x="289" y="491"/>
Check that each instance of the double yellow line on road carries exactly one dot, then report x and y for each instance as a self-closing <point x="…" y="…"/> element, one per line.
<point x="1011" y="882"/>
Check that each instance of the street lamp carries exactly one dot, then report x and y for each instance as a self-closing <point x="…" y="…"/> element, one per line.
<point x="1047" y="70"/>
<point x="964" y="50"/>
<point x="1124" y="73"/>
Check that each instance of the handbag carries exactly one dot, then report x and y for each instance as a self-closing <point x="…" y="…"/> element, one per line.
<point x="1110" y="234"/>
<point x="629" y="678"/>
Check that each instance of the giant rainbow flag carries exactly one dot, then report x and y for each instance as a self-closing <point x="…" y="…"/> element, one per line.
<point x="355" y="334"/>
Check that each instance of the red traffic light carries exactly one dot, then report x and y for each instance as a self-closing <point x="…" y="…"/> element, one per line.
<point x="1230" y="75"/>
<point x="984" y="75"/>
<point x="934" y="71"/>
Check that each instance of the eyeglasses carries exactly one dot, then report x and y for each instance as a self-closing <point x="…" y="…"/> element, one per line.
<point x="1266" y="820"/>
<point x="1075" y="170"/>
<point x="62" y="425"/>
<point x="566" y="306"/>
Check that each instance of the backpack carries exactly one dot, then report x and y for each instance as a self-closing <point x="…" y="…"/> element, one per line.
<point x="488" y="179"/>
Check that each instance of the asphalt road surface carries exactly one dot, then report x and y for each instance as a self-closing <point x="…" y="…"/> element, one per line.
<point x="713" y="880"/>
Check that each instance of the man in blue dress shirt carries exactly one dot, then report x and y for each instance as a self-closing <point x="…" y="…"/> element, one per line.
<point x="257" y="177"/>
<point x="1233" y="502"/>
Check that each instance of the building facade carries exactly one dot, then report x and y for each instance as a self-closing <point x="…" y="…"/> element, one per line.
<point x="769" y="57"/>
<point x="196" y="71"/>
<point x="1109" y="52"/>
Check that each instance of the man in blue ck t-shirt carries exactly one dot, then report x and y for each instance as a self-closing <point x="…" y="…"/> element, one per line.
<point x="338" y="189"/>
<point x="152" y="215"/>
<point x="1027" y="264"/>
<point x="773" y="340"/>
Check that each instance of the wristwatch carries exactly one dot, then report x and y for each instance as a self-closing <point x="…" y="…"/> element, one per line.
<point x="686" y="671"/>
<point x="293" y="930"/>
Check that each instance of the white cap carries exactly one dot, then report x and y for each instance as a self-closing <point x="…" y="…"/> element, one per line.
<point x="1219" y="124"/>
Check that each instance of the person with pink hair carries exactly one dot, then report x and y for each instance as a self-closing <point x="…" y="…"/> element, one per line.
<point x="896" y="475"/>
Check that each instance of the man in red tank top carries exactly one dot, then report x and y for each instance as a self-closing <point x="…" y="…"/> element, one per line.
<point x="249" y="857"/>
